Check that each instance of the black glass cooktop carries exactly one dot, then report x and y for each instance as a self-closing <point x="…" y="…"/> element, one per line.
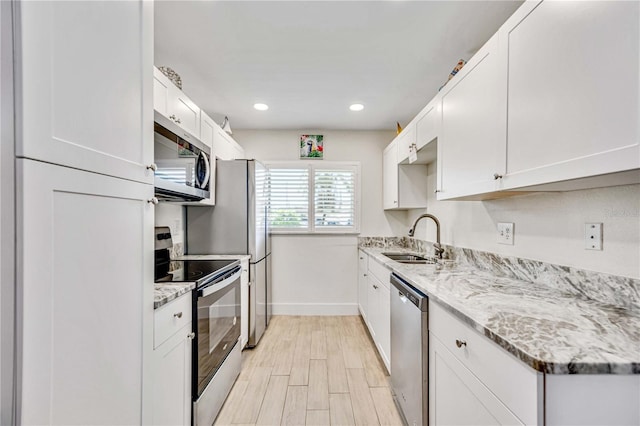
<point x="197" y="270"/>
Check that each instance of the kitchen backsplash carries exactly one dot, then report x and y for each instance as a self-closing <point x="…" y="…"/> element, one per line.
<point x="621" y="292"/>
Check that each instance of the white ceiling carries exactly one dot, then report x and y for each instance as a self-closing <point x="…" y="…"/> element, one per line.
<point x="309" y="60"/>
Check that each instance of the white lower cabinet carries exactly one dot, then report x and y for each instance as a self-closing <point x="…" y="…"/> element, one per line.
<point x="172" y="363"/>
<point x="85" y="244"/>
<point x="244" y="303"/>
<point x="378" y="309"/>
<point x="473" y="381"/>
<point x="363" y="259"/>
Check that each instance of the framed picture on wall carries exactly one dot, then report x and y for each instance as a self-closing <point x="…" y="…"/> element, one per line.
<point x="311" y="146"/>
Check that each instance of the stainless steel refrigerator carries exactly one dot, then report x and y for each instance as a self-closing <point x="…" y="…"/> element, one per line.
<point x="237" y="224"/>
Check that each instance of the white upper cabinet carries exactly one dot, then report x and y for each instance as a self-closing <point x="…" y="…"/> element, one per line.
<point x="428" y="123"/>
<point x="573" y="90"/>
<point x="404" y="186"/>
<point x="208" y="128"/>
<point x="471" y="144"/>
<point x="80" y="68"/>
<point x="171" y="102"/>
<point x="390" y="176"/>
<point x="406" y="142"/>
<point x="225" y="147"/>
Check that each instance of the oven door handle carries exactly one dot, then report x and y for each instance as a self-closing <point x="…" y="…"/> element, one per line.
<point x="226" y="281"/>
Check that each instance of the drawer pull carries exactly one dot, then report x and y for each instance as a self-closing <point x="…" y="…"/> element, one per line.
<point x="460" y="343"/>
<point x="375" y="286"/>
<point x="191" y="335"/>
<point x="178" y="315"/>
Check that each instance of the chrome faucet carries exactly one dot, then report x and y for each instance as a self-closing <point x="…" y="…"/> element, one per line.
<point x="437" y="246"/>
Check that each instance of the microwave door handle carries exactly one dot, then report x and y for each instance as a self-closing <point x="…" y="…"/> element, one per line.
<point x="217" y="286"/>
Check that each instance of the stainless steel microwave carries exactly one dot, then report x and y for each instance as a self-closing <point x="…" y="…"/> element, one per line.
<point x="183" y="165"/>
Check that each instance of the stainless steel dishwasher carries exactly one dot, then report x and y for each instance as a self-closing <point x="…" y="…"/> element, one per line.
<point x="409" y="351"/>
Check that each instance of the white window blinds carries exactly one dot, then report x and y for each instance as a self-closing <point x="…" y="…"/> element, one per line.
<point x="334" y="198"/>
<point x="288" y="195"/>
<point x="314" y="197"/>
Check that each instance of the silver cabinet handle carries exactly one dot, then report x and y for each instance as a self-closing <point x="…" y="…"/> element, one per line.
<point x="375" y="286"/>
<point x="172" y="117"/>
<point x="496" y="176"/>
<point x="153" y="201"/>
<point x="178" y="121"/>
<point x="152" y="167"/>
<point x="361" y="258"/>
<point x="178" y="315"/>
<point x="400" y="294"/>
<point x="436" y="191"/>
<point x="365" y="275"/>
<point x="191" y="335"/>
<point x="460" y="343"/>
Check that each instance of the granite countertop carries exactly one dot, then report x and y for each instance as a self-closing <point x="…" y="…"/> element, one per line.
<point x="549" y="329"/>
<point x="164" y="293"/>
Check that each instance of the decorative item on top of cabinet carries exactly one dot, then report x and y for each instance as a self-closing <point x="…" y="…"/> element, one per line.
<point x="172" y="75"/>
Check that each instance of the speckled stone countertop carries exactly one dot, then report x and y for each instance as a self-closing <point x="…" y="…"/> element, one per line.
<point x="165" y="293"/>
<point x="551" y="329"/>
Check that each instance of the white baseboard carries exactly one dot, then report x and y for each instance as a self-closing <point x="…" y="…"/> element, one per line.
<point x="315" y="309"/>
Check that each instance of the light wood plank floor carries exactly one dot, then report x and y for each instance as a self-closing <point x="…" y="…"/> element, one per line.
<point x="311" y="371"/>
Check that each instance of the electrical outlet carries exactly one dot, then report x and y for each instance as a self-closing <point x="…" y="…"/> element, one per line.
<point x="593" y="236"/>
<point x="505" y="233"/>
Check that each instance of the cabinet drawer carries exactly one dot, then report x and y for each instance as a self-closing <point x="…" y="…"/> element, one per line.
<point x="514" y="383"/>
<point x="170" y="318"/>
<point x="380" y="272"/>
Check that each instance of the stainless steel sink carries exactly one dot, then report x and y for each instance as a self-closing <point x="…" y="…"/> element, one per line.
<point x="409" y="258"/>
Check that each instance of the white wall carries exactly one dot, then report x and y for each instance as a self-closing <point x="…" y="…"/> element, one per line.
<point x="548" y="226"/>
<point x="172" y="215"/>
<point x="317" y="274"/>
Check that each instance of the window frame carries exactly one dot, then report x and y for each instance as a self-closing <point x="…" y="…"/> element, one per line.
<point x="311" y="166"/>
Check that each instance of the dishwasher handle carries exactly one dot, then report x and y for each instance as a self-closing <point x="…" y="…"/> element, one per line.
<point x="414" y="296"/>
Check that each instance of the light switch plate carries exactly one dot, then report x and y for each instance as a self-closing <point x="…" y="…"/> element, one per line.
<point x="593" y="236"/>
<point x="505" y="233"/>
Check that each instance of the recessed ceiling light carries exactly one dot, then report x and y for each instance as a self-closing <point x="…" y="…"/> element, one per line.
<point x="356" y="107"/>
<point x="261" y="107"/>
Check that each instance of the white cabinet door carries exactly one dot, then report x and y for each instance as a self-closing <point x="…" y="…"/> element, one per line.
<point x="379" y="317"/>
<point x="384" y="325"/>
<point x="244" y="304"/>
<point x="172" y="380"/>
<point x="84" y="86"/>
<point x="208" y="128"/>
<point x="573" y="91"/>
<point x="406" y="142"/>
<point x="428" y="123"/>
<point x="457" y="397"/>
<point x="222" y="145"/>
<point x="472" y="140"/>
<point x="390" y="176"/>
<point x="363" y="260"/>
<point x="174" y="104"/>
<point x="85" y="241"/>
<point x="373" y="305"/>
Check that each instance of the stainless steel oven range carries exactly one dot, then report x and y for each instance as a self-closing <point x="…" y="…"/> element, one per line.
<point x="216" y="324"/>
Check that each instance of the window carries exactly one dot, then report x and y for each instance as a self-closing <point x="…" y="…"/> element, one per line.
<point x="314" y="197"/>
